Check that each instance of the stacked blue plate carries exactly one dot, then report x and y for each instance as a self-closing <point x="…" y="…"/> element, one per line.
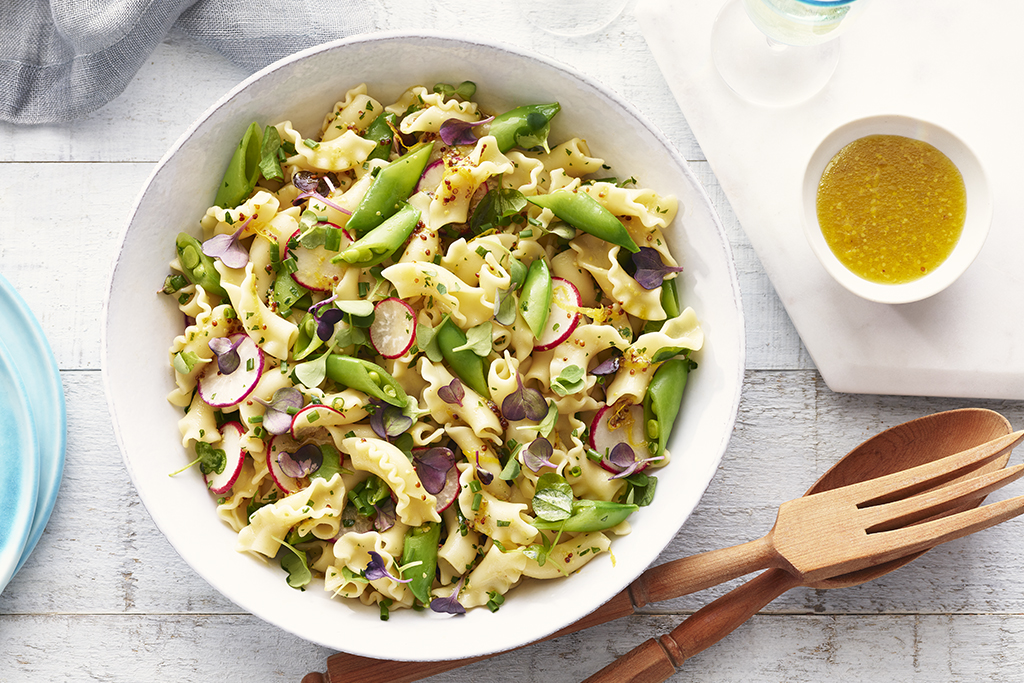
<point x="33" y="432"/>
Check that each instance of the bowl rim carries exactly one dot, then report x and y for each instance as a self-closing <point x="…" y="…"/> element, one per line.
<point x="735" y="374"/>
<point x="977" y="220"/>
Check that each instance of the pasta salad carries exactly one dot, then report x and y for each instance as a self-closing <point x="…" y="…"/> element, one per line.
<point x="427" y="355"/>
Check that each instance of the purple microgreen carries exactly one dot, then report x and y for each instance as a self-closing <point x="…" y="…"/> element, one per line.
<point x="228" y="248"/>
<point x="377" y="569"/>
<point x="650" y="269"/>
<point x="302" y="463"/>
<point x="432" y="468"/>
<point x="326" y="322"/>
<point x="388" y="421"/>
<point x="451" y="604"/>
<point x="386" y="515"/>
<point x="452" y="393"/>
<point x="608" y="367"/>
<point x="538" y="454"/>
<point x="227" y="353"/>
<point x="623" y="458"/>
<point x="308" y="185"/>
<point x="285" y="402"/>
<point x="524" y="403"/>
<point x="483" y="475"/>
<point x="458" y="132"/>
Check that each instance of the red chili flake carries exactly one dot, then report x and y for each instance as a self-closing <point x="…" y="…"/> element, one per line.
<point x="568" y="558"/>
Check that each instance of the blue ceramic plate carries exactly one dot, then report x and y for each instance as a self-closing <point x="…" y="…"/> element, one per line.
<point x="31" y="355"/>
<point x="19" y="469"/>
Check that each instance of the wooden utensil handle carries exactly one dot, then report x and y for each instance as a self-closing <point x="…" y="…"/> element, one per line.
<point x="656" y="660"/>
<point x="697" y="572"/>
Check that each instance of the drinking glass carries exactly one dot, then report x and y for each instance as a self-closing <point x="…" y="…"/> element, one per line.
<point x="779" y="52"/>
<point x="572" y="18"/>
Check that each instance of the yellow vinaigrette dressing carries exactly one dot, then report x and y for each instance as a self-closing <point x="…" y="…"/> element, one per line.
<point x="891" y="208"/>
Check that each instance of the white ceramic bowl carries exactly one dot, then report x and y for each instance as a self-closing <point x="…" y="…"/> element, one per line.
<point x="976" y="224"/>
<point x="140" y="325"/>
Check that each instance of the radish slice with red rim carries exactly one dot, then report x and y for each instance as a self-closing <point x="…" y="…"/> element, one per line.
<point x="436" y="469"/>
<point x="613" y="426"/>
<point x="564" y="315"/>
<point x="309" y="421"/>
<point x="234" y="456"/>
<point x="221" y="390"/>
<point x="393" y="330"/>
<point x="313" y="267"/>
<point x="432" y="176"/>
<point x="282" y="443"/>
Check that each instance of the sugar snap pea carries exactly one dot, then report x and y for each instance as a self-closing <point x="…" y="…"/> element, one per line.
<point x="526" y="126"/>
<point x="421" y="546"/>
<point x="392" y="186"/>
<point x="382" y="131"/>
<point x="382" y="241"/>
<point x="585" y="213"/>
<point x="535" y="296"/>
<point x="466" y="365"/>
<point x="243" y="170"/>
<point x="198" y="267"/>
<point x="367" y="377"/>
<point x="662" y="401"/>
<point x="590" y="515"/>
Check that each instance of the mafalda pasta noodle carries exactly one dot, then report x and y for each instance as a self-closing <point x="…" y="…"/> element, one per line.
<point x="427" y="353"/>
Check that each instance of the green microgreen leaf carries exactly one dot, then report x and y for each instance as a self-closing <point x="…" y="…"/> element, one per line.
<point x="552" y="500"/>
<point x="297" y="566"/>
<point x="270" y="162"/>
<point x="479" y="340"/>
<point x="569" y="381"/>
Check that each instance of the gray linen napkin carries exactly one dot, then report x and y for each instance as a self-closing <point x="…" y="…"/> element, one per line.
<point x="61" y="59"/>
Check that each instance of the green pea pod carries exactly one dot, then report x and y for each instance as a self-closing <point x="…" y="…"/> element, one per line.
<point x="585" y="213"/>
<point x="286" y="292"/>
<point x="382" y="241"/>
<point x="307" y="340"/>
<point x="526" y="126"/>
<point x="669" y="302"/>
<point x="392" y="186"/>
<point x="590" y="515"/>
<point x="243" y="170"/>
<point x="663" y="399"/>
<point x="421" y="546"/>
<point x="382" y="131"/>
<point x="466" y="365"/>
<point x="367" y="377"/>
<point x="199" y="268"/>
<point x="535" y="296"/>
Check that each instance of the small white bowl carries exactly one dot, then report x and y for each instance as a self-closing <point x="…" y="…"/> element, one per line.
<point x="976" y="223"/>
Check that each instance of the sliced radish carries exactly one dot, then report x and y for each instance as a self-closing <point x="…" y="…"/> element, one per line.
<point x="231" y="444"/>
<point x="432" y="176"/>
<point x="313" y="267"/>
<point x="393" y="330"/>
<point x="221" y="390"/>
<point x="564" y="315"/>
<point x="309" y="421"/>
<point x="450" y="490"/>
<point x="282" y="443"/>
<point x="614" y="425"/>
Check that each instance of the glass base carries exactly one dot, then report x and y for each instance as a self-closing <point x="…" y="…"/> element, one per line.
<point x="765" y="72"/>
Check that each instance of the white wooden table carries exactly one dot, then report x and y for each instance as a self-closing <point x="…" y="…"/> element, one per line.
<point x="105" y="598"/>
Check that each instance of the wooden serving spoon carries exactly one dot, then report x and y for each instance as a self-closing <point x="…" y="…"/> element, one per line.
<point x="899" y="448"/>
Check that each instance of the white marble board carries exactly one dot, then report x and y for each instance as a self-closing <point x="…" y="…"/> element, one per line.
<point x="955" y="64"/>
